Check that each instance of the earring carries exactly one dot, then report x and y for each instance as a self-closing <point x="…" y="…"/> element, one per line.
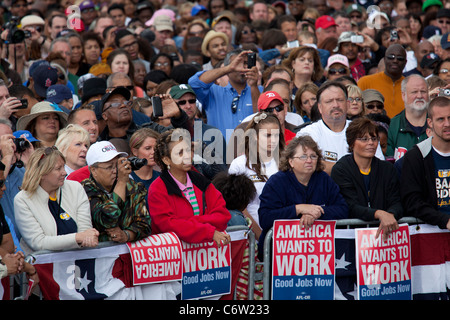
<point x="168" y="167"/>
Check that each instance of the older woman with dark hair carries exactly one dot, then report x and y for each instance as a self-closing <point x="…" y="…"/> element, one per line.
<point x="369" y="185"/>
<point x="300" y="190"/>
<point x="183" y="201"/>
<point x="52" y="213"/>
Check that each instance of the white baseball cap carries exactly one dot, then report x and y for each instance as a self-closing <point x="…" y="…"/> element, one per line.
<point x="102" y="151"/>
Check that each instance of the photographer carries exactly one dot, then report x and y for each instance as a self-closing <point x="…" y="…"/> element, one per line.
<point x="14" y="157"/>
<point x="117" y="202"/>
<point x="14" y="57"/>
<point x="8" y="105"/>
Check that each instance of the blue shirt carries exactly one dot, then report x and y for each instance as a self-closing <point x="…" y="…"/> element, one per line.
<point x="217" y="100"/>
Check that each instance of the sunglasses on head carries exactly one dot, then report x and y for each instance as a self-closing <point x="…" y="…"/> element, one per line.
<point x="48" y="151"/>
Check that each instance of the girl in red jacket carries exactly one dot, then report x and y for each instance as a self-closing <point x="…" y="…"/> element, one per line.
<point x="184" y="201"/>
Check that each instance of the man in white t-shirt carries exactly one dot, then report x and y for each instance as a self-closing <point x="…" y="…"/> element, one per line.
<point x="329" y="132"/>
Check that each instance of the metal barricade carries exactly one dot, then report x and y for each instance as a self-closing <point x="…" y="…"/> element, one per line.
<point x="347" y="223"/>
<point x="23" y="282"/>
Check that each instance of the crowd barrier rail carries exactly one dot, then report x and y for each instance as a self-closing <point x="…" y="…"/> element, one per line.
<point x="253" y="275"/>
<point x="18" y="284"/>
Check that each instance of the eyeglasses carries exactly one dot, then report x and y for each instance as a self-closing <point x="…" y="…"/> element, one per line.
<point x="367" y="139"/>
<point x="130" y="45"/>
<point x="277" y="108"/>
<point x="118" y="105"/>
<point x="305" y="157"/>
<point x="130" y="87"/>
<point x="340" y="71"/>
<point x="37" y="28"/>
<point x="111" y="168"/>
<point x="393" y="56"/>
<point x="443" y="21"/>
<point x="234" y="104"/>
<point x="160" y="64"/>
<point x="48" y="151"/>
<point x="373" y="106"/>
<point x="443" y="71"/>
<point x="357" y="99"/>
<point x="183" y="102"/>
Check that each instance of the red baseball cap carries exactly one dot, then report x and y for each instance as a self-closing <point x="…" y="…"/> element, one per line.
<point x="266" y="98"/>
<point x="325" y="22"/>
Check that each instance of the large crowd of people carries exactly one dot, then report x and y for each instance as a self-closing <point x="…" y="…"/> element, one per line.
<point x="127" y="118"/>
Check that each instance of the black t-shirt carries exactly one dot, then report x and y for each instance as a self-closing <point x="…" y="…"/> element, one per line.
<point x="64" y="223"/>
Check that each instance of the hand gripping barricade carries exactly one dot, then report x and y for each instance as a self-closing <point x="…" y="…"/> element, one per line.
<point x="390" y="269"/>
<point x="106" y="272"/>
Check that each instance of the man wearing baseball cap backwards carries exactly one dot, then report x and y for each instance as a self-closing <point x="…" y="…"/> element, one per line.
<point x="117" y="202"/>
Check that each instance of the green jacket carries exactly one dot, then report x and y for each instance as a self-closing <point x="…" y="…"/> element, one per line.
<point x="401" y="137"/>
<point x="108" y="210"/>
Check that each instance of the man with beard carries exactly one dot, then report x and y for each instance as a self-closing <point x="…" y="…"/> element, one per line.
<point x="424" y="186"/>
<point x="388" y="82"/>
<point x="329" y="131"/>
<point x="409" y="126"/>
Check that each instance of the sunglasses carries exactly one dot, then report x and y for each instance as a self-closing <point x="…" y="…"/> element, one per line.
<point x="335" y="71"/>
<point x="234" y="104"/>
<point x="183" y="102"/>
<point x="118" y="104"/>
<point x="373" y="106"/>
<point x="393" y="56"/>
<point x="48" y="151"/>
<point x="277" y="108"/>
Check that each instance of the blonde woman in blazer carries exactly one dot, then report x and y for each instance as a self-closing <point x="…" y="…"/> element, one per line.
<point x="52" y="213"/>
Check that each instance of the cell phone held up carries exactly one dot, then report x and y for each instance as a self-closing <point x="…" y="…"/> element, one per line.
<point x="157" y="106"/>
<point x="24" y="104"/>
<point x="251" y="60"/>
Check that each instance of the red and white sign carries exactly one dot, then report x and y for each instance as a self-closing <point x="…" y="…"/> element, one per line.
<point x="383" y="266"/>
<point x="157" y="258"/>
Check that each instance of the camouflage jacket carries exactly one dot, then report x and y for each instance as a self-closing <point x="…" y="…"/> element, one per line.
<point x="108" y="210"/>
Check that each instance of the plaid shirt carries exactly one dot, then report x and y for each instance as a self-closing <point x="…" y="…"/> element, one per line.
<point x="108" y="210"/>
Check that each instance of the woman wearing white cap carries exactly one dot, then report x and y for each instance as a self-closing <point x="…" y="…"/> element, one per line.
<point x="51" y="213"/>
<point x="117" y="202"/>
<point x="44" y="122"/>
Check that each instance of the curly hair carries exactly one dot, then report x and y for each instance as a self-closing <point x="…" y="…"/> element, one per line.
<point x="163" y="147"/>
<point x="237" y="189"/>
<point x="305" y="142"/>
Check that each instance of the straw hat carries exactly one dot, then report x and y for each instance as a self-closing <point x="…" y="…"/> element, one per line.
<point x="38" y="109"/>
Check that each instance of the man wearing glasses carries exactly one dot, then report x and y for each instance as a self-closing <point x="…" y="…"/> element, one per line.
<point x="388" y="82"/>
<point x="118" y="116"/>
<point x="226" y="107"/>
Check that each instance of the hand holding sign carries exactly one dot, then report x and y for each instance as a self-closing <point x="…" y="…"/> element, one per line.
<point x="221" y="238"/>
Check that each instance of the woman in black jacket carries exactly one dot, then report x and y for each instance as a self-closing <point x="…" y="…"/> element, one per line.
<point x="369" y="185"/>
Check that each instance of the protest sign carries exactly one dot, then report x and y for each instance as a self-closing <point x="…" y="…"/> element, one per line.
<point x="206" y="270"/>
<point x="157" y="258"/>
<point x="303" y="261"/>
<point x="383" y="266"/>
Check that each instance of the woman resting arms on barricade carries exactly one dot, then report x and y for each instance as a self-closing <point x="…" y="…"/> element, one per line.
<point x="182" y="200"/>
<point x="370" y="186"/>
<point x="301" y="189"/>
<point x="52" y="213"/>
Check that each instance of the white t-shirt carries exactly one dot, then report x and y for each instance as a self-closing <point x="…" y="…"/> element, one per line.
<point x="237" y="166"/>
<point x="332" y="144"/>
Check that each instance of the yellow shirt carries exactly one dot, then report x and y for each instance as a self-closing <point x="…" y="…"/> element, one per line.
<point x="392" y="92"/>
